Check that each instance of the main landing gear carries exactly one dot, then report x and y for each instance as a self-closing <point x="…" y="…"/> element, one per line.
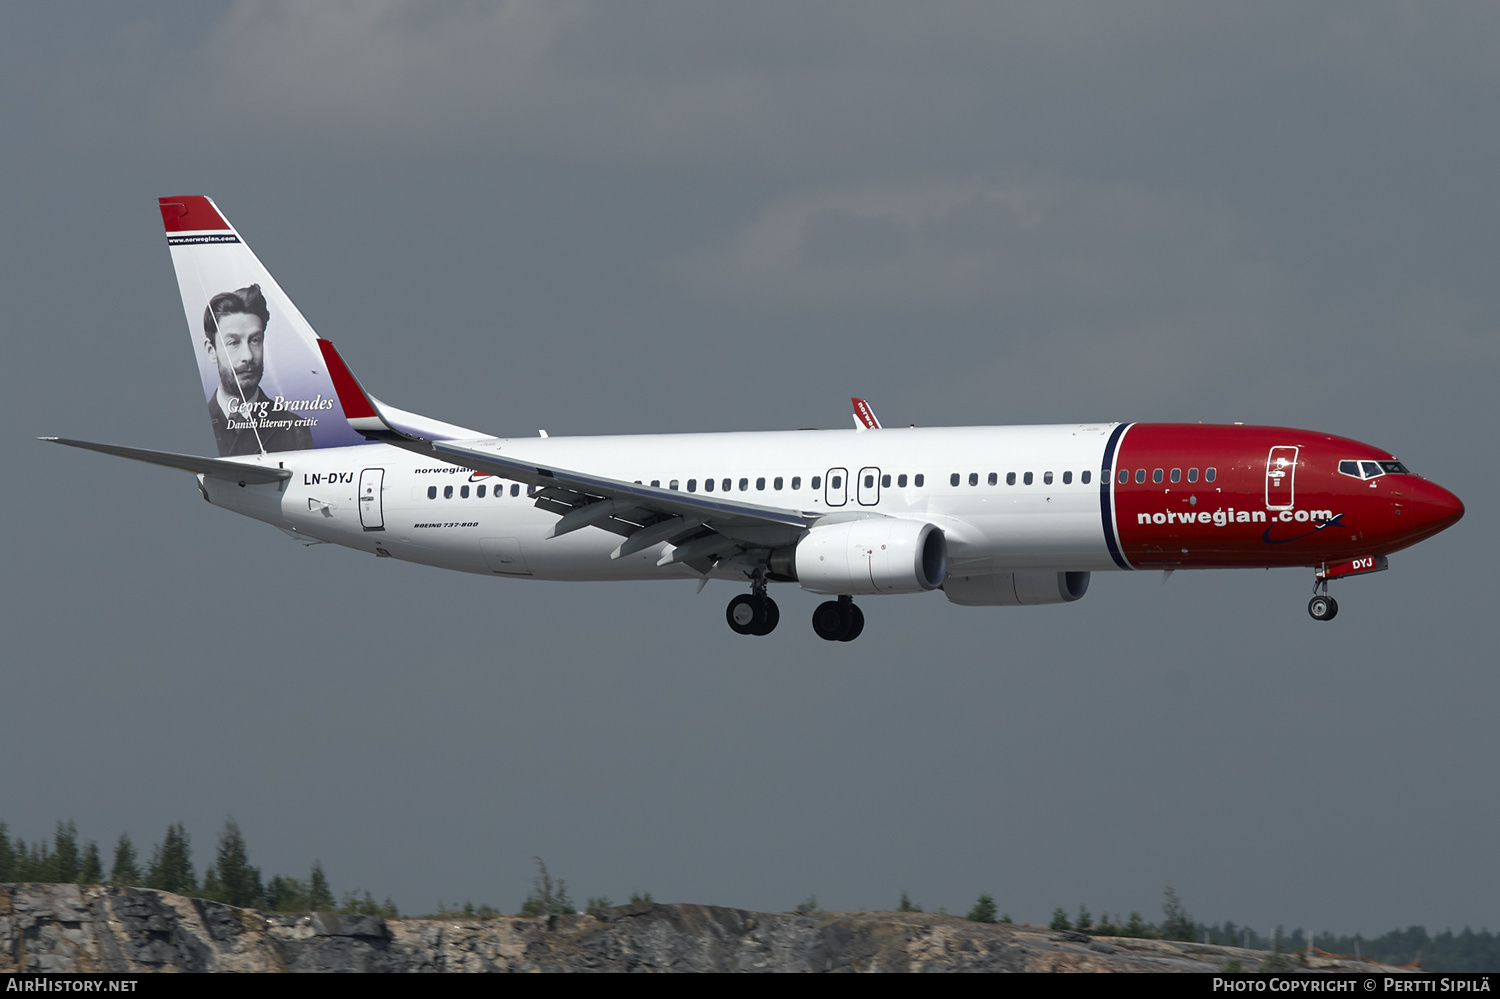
<point x="753" y="613"/>
<point x="838" y="620"/>
<point x="1322" y="607"/>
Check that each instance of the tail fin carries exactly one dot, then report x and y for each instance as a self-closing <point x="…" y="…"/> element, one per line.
<point x="265" y="382"/>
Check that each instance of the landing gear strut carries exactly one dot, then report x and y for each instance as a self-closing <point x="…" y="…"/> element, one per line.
<point x="1322" y="607"/>
<point x="838" y="620"/>
<point x="753" y="613"/>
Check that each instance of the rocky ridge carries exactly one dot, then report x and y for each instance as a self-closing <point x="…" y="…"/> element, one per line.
<point x="88" y="928"/>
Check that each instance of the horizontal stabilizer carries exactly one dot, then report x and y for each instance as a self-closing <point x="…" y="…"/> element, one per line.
<point x="218" y="468"/>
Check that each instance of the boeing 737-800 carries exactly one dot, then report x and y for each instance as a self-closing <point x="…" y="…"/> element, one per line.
<point x="991" y="516"/>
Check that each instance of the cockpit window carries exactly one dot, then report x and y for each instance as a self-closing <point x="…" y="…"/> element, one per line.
<point x="1372" y="469"/>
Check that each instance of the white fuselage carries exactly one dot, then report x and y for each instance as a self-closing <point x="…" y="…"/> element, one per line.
<point x="414" y="508"/>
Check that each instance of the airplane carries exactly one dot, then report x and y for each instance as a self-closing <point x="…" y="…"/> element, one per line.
<point x="990" y="516"/>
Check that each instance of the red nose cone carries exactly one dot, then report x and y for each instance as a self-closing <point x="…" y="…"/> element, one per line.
<point x="1433" y="508"/>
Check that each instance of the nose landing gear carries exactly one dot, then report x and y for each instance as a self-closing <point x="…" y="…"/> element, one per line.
<point x="1322" y="607"/>
<point x="838" y="620"/>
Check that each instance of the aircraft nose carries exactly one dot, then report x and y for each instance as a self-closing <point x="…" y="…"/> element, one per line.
<point x="1433" y="508"/>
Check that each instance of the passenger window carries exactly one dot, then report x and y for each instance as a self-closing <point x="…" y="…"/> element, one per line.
<point x="673" y="484"/>
<point x="760" y="483"/>
<point x="515" y="489"/>
<point x="816" y="482"/>
<point x="994" y="478"/>
<point x="656" y="483"/>
<point x="837" y="482"/>
<point x="973" y="478"/>
<point x="447" y="492"/>
<point x="1010" y="478"/>
<point x="708" y="485"/>
<point x="725" y="485"/>
<point x="1176" y="475"/>
<point x="1085" y="477"/>
<point x="885" y="481"/>
<point x="479" y="493"/>
<point x="797" y="482"/>
<point x="918" y="480"/>
<point x="953" y="479"/>
<point x="1124" y="476"/>
<point x="869" y="482"/>
<point x="463" y="492"/>
<point x="692" y="485"/>
<point x="1046" y="478"/>
<point x="776" y="483"/>
<point x="1140" y="475"/>
<point x="745" y="484"/>
<point x="1067" y="478"/>
<point x="1027" y="478"/>
<point x="1192" y="475"/>
<point x="901" y="480"/>
<point x="1156" y="475"/>
<point x="1210" y="473"/>
<point x="432" y="492"/>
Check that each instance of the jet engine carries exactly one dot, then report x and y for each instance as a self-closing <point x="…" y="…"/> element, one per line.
<point x="878" y="555"/>
<point x="1016" y="589"/>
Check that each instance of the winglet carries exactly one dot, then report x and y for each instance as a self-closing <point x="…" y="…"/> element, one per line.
<point x="360" y="409"/>
<point x="374" y="420"/>
<point x="864" y="416"/>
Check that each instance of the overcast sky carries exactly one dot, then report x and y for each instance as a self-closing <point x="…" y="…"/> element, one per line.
<point x="656" y="217"/>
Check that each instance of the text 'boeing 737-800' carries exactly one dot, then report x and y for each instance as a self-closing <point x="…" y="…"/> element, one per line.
<point x="991" y="516"/>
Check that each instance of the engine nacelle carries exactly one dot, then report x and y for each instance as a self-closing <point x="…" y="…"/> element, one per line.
<point x="1016" y="589"/>
<point x="879" y="555"/>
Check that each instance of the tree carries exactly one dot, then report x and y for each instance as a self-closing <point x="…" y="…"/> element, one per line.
<point x="597" y="904"/>
<point x="1277" y="962"/>
<point x="172" y="864"/>
<point x="983" y="911"/>
<point x="907" y="905"/>
<point x="1060" y="920"/>
<point x="1085" y="920"/>
<point x="285" y="894"/>
<point x="546" y="898"/>
<point x="65" y="861"/>
<point x="1177" y="925"/>
<point x="125" y="871"/>
<point x="357" y="905"/>
<point x="8" y="867"/>
<point x="237" y="882"/>
<point x="92" y="871"/>
<point x="319" y="894"/>
<point x="641" y="898"/>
